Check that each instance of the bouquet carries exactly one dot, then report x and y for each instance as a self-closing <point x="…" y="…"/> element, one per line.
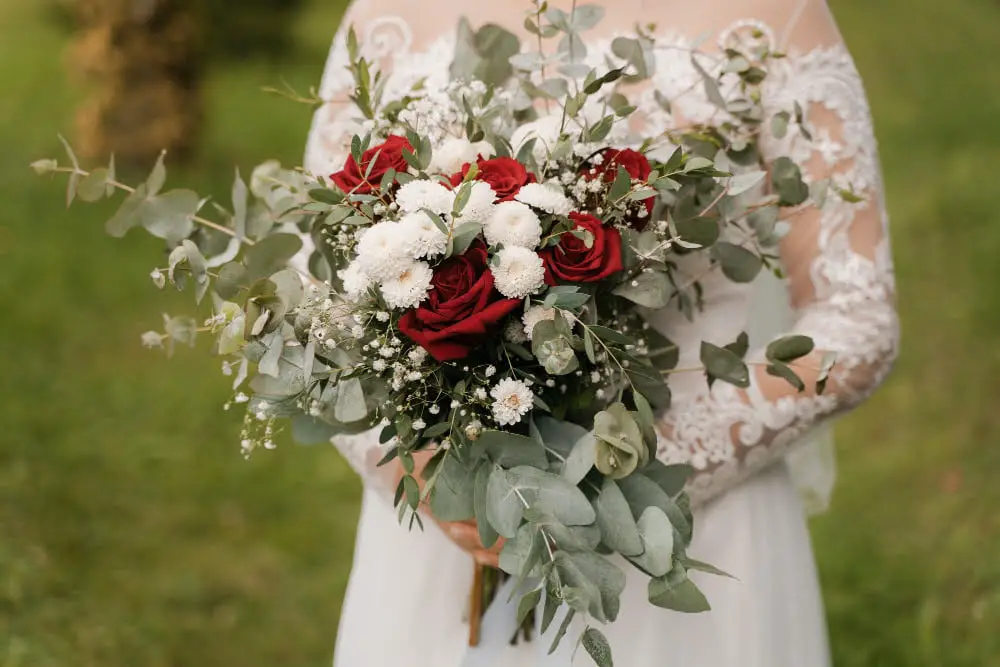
<point x="482" y="263"/>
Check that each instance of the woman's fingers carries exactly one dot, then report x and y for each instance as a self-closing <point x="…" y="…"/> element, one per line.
<point x="466" y="535"/>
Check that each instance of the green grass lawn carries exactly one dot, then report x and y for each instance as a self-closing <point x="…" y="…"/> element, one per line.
<point x="133" y="534"/>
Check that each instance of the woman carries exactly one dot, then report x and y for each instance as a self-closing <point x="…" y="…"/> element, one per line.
<point x="408" y="591"/>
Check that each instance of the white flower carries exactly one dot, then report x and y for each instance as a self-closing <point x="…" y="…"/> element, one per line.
<point x="518" y="272"/>
<point x="513" y="224"/>
<point x="417" y="195"/>
<point x="382" y="316"/>
<point x="536" y="314"/>
<point x="454" y="152"/>
<point x="491" y="370"/>
<point x="480" y="204"/>
<point x="417" y="356"/>
<point x="151" y="339"/>
<point x="548" y="197"/>
<point x="158" y="278"/>
<point x="544" y="130"/>
<point x="381" y="251"/>
<point x="379" y="365"/>
<point x="420" y="236"/>
<point x="512" y="399"/>
<point x="409" y="287"/>
<point x="514" y="332"/>
<point x="480" y="393"/>
<point x="356" y="282"/>
<point x="419" y="424"/>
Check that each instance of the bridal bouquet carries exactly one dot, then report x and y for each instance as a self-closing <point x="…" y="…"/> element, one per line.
<point x="482" y="263"/>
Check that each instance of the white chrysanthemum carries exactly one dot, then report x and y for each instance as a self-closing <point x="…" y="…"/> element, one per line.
<point x="356" y="281"/>
<point x="381" y="251"/>
<point x="480" y="204"/>
<point x="518" y="272"/>
<point x="514" y="332"/>
<point x="536" y="314"/>
<point x="549" y="197"/>
<point x="417" y="195"/>
<point x="545" y="131"/>
<point x="512" y="399"/>
<point x="454" y="152"/>
<point x="420" y="236"/>
<point x="513" y="224"/>
<point x="409" y="287"/>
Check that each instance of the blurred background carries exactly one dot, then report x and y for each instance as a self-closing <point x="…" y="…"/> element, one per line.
<point x="132" y="533"/>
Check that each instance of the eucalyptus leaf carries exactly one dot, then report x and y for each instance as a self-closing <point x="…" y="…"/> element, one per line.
<point x="169" y="215"/>
<point x="580" y="460"/>
<point x="93" y="187"/>
<point x="453" y="495"/>
<point x="509" y="449"/>
<point x="723" y="364"/>
<point x="789" y="348"/>
<point x="642" y="492"/>
<point x="350" y="404"/>
<point x="308" y="430"/>
<point x="553" y="495"/>
<point x="597" y="647"/>
<point x="738" y="264"/>
<point x="487" y="534"/>
<point x="657" y="532"/>
<point x="504" y="508"/>
<point x="676" y="592"/>
<point x="742" y="182"/>
<point x="619" y="530"/>
<point x="271" y="254"/>
<point x="650" y="289"/>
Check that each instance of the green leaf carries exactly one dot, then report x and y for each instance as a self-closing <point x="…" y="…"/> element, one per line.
<point x="169" y="216"/>
<point x="621" y="185"/>
<point x="528" y="602"/>
<point x="504" y="509"/>
<point x="239" y="196"/>
<point x="350" y="405"/>
<point x="453" y="497"/>
<point x="510" y="449"/>
<point x="787" y="179"/>
<point x="691" y="564"/>
<point x="742" y="182"/>
<point x="676" y="592"/>
<point x="657" y="557"/>
<point x="585" y="17"/>
<point x="671" y="479"/>
<point x="230" y="281"/>
<point x="597" y="647"/>
<point x="740" y="346"/>
<point x="738" y="264"/>
<point x="722" y="364"/>
<point x="156" y="179"/>
<point x="463" y="237"/>
<point x="779" y="124"/>
<point x="778" y="369"/>
<point x="93" y="187"/>
<point x="700" y="231"/>
<point x="552" y="603"/>
<point x="641" y="492"/>
<point x="308" y="430"/>
<point x="521" y="554"/>
<point x="650" y="289"/>
<point x="74" y="177"/>
<point x="487" y="534"/>
<point x="271" y="254"/>
<point x="789" y="348"/>
<point x="127" y="216"/>
<point x="553" y="495"/>
<point x="561" y="632"/>
<point x="618" y="528"/>
<point x="580" y="460"/>
<point x="610" y="335"/>
<point x="709" y="83"/>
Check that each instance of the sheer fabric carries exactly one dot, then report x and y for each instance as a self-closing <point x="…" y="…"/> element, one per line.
<point x="838" y="289"/>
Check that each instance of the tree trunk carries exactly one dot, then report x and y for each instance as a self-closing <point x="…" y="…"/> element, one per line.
<point x="142" y="62"/>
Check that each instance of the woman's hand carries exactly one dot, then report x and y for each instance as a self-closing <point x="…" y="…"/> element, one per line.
<point x="465" y="534"/>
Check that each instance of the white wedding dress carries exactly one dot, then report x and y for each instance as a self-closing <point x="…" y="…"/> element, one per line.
<point x="754" y="451"/>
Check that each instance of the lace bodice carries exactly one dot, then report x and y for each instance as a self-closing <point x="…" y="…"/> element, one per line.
<point x="839" y="286"/>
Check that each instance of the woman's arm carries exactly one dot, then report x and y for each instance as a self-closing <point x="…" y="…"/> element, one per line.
<point x="838" y="267"/>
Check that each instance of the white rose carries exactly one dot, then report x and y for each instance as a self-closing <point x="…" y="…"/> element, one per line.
<point x="454" y="152"/>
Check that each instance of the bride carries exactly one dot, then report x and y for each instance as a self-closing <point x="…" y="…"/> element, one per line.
<point x="753" y="450"/>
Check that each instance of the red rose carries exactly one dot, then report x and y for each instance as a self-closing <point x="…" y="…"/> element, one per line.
<point x="571" y="261"/>
<point x="461" y="310"/>
<point x="637" y="166"/>
<point x="504" y="174"/>
<point x="387" y="155"/>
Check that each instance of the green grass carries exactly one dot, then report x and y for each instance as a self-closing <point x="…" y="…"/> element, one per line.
<point x="133" y="534"/>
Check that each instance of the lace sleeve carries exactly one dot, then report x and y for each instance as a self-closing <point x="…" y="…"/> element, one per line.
<point x="839" y="275"/>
